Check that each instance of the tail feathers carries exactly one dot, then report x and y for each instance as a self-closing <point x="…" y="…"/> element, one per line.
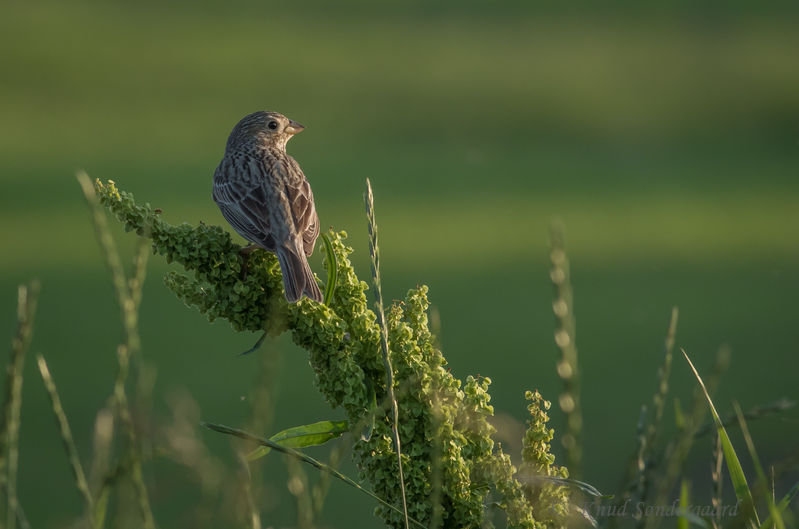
<point x="298" y="278"/>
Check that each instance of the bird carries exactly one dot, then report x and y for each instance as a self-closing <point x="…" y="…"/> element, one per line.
<point x="264" y="195"/>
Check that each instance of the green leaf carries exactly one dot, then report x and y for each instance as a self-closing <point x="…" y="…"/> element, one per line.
<point x="742" y="491"/>
<point x="332" y="270"/>
<point x="301" y="436"/>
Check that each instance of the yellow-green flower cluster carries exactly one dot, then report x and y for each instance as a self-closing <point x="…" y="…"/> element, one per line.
<point x="538" y="464"/>
<point x="443" y="424"/>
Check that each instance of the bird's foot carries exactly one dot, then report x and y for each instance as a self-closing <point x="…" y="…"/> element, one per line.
<point x="245" y="259"/>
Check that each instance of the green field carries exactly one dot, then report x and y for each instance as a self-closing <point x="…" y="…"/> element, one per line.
<point x="666" y="140"/>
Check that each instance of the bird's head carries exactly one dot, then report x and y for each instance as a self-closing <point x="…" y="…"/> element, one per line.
<point x="265" y="129"/>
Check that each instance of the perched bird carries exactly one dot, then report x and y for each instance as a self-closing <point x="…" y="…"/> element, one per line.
<point x="263" y="194"/>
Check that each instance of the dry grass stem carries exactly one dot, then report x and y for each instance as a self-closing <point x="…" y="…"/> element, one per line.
<point x="568" y="367"/>
<point x="66" y="438"/>
<point x="374" y="252"/>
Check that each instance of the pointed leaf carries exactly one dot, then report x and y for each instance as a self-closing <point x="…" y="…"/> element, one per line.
<point x="301" y="436"/>
<point x="332" y="270"/>
<point x="742" y="491"/>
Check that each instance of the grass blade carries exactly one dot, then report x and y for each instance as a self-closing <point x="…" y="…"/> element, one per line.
<point x="716" y="477"/>
<point x="304" y="458"/>
<point x="128" y="294"/>
<point x="374" y="252"/>
<point x="66" y="438"/>
<point x="682" y="521"/>
<point x="742" y="490"/>
<point x="638" y="478"/>
<point x="12" y="405"/>
<point x="761" y="475"/>
<point x="253" y="516"/>
<point x="758" y="412"/>
<point x="332" y="270"/>
<point x="659" y="400"/>
<point x="314" y="434"/>
<point x="109" y="250"/>
<point x="782" y="505"/>
<point x="687" y="419"/>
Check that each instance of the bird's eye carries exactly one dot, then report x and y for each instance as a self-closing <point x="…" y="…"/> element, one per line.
<point x="272" y="125"/>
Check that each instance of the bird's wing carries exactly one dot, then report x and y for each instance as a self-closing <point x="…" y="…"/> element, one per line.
<point x="301" y="201"/>
<point x="243" y="203"/>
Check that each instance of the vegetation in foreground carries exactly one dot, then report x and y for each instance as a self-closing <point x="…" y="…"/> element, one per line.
<point x="453" y="474"/>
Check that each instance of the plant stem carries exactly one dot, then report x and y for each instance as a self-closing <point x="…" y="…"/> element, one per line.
<point x="129" y="294"/>
<point x="567" y="368"/>
<point x="27" y="296"/>
<point x="374" y="252"/>
<point x="66" y="437"/>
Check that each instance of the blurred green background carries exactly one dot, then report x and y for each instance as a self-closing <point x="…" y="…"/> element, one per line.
<point x="666" y="139"/>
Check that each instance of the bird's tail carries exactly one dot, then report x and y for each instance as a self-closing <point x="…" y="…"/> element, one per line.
<point x="298" y="278"/>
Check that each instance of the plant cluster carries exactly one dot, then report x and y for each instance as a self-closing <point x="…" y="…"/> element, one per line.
<point x="454" y="473"/>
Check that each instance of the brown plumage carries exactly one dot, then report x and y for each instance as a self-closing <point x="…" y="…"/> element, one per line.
<point x="263" y="194"/>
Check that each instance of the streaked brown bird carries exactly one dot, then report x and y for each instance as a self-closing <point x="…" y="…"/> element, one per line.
<point x="264" y="195"/>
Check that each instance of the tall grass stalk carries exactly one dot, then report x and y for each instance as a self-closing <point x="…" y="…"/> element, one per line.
<point x="27" y="296"/>
<point x="762" y="480"/>
<point x="251" y="511"/>
<point x="322" y="487"/>
<point x="128" y="294"/>
<point x="299" y="487"/>
<point x="262" y="411"/>
<point x="66" y="438"/>
<point x="758" y="412"/>
<point x="374" y="253"/>
<point x="568" y="369"/>
<point x="648" y="434"/>
<point x="98" y="473"/>
<point x="659" y="399"/>
<point x="678" y="449"/>
<point x="635" y="480"/>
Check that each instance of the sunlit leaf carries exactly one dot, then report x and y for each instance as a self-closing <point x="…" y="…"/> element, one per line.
<point x="742" y="490"/>
<point x="301" y="436"/>
<point x="332" y="270"/>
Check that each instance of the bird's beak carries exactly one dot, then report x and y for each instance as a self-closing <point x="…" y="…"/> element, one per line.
<point x="294" y="127"/>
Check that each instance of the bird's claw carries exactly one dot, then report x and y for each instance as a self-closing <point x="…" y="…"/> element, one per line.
<point x="245" y="259"/>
